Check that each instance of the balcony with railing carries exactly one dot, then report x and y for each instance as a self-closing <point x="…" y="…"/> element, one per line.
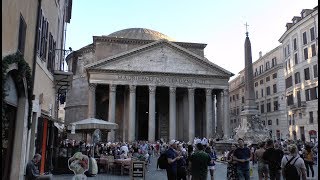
<point x="298" y="106"/>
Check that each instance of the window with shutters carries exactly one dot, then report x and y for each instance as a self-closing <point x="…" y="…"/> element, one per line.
<point x="312" y="37"/>
<point x="306" y="74"/>
<point x="295" y="44"/>
<point x="311" y="117"/>
<point x="39" y="32"/>
<point x="267" y="65"/>
<point x="274" y="76"/>
<point x="275" y="105"/>
<point x="315" y="71"/>
<point x="296" y="60"/>
<point x="22" y="35"/>
<point x="274" y="88"/>
<point x="299" y="98"/>
<point x="290" y="99"/>
<point x="289" y="82"/>
<point x="51" y="54"/>
<point x="308" y="94"/>
<point x="304" y="38"/>
<point x="305" y="53"/>
<point x="293" y="120"/>
<point x="274" y="61"/>
<point x="313" y="50"/>
<point x="297" y="77"/>
<point x="268" y="90"/>
<point x="268" y="79"/>
<point x="289" y="117"/>
<point x="261" y="81"/>
<point x="262" y="107"/>
<point x="269" y="107"/>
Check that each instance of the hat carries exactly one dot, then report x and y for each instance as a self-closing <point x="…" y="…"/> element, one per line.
<point x="172" y="142"/>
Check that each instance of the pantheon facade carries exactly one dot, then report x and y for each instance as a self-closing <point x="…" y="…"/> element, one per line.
<point x="150" y="85"/>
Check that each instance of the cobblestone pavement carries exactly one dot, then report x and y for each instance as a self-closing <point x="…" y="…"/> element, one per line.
<point x="154" y="174"/>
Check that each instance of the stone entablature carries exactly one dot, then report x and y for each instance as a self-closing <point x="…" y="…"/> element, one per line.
<point x="145" y="79"/>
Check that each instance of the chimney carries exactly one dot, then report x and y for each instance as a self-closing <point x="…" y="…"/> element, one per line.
<point x="260" y="54"/>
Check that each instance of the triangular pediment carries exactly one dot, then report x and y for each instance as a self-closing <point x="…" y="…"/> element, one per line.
<point x="161" y="57"/>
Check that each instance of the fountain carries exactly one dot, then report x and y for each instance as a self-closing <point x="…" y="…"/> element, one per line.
<point x="250" y="129"/>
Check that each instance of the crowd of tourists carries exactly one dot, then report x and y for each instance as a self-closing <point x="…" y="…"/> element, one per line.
<point x="193" y="160"/>
<point x="288" y="159"/>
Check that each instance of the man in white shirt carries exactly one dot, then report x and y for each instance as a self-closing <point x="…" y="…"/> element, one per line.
<point x="296" y="161"/>
<point x="124" y="149"/>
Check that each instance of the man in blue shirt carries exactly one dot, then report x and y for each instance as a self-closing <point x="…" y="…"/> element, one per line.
<point x="172" y="160"/>
<point x="243" y="156"/>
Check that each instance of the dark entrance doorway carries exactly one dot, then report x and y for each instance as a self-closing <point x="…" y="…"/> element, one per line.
<point x="142" y="116"/>
<point x="8" y="130"/>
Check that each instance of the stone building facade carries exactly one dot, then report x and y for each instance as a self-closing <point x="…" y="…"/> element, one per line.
<point x="34" y="29"/>
<point x="286" y="83"/>
<point x="300" y="57"/>
<point x="269" y="94"/>
<point x="150" y="85"/>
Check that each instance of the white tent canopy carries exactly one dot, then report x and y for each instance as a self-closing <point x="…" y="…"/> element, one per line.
<point x="93" y="123"/>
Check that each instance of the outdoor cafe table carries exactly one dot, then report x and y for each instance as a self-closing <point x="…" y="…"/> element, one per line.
<point x="122" y="163"/>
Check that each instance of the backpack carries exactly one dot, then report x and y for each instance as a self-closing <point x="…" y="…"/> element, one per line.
<point x="290" y="171"/>
<point x="163" y="161"/>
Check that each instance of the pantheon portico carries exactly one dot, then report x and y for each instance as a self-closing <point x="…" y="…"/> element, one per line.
<point x="150" y="85"/>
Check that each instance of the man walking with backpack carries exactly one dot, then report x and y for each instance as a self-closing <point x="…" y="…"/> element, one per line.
<point x="273" y="156"/>
<point x="293" y="167"/>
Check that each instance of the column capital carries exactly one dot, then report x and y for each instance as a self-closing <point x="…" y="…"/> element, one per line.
<point x="92" y="86"/>
<point x="132" y="88"/>
<point x="226" y="92"/>
<point x="152" y="89"/>
<point x="112" y="87"/>
<point x="191" y="90"/>
<point x="208" y="92"/>
<point x="172" y="90"/>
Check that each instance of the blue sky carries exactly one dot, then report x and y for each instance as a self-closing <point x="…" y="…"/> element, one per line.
<point x="220" y="24"/>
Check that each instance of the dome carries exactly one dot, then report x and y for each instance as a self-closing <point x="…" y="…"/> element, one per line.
<point x="140" y="33"/>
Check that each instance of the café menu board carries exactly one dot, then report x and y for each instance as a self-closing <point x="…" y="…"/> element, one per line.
<point x="138" y="170"/>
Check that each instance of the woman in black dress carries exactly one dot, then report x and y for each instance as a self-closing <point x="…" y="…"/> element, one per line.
<point x="232" y="166"/>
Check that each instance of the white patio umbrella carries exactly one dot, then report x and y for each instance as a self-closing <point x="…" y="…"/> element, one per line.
<point x="92" y="124"/>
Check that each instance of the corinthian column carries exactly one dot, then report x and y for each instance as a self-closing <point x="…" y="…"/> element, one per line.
<point x="132" y="113"/>
<point x="191" y="114"/>
<point x="92" y="101"/>
<point x="226" y="114"/>
<point x="219" y="114"/>
<point x="209" y="113"/>
<point x="112" y="109"/>
<point x="152" y="112"/>
<point x="172" y="112"/>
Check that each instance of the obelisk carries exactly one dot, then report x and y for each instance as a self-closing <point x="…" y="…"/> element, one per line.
<point x="250" y="129"/>
<point x="248" y="77"/>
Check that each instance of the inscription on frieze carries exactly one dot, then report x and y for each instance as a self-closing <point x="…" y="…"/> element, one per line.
<point x="163" y="80"/>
